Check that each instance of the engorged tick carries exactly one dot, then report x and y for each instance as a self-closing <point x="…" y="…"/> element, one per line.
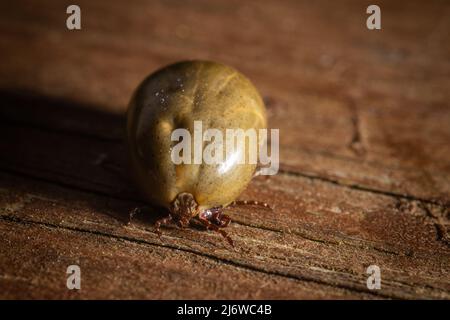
<point x="221" y="98"/>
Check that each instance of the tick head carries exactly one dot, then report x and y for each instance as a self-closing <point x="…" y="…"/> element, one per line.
<point x="184" y="207"/>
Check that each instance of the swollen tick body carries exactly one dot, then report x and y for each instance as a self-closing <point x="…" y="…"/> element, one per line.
<point x="177" y="97"/>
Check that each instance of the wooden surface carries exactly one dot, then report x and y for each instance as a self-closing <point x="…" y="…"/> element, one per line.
<point x="364" y="121"/>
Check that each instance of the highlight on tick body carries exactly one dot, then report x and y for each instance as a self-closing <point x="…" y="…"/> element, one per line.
<point x="237" y="146"/>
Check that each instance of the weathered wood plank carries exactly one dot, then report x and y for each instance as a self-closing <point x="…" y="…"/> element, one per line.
<point x="35" y="258"/>
<point x="423" y="177"/>
<point x="313" y="233"/>
<point x="365" y="144"/>
<point x="96" y="165"/>
<point x="275" y="253"/>
<point x="390" y="133"/>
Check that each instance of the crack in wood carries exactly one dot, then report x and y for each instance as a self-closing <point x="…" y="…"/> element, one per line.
<point x="439" y="223"/>
<point x="327" y="242"/>
<point x="358" y="187"/>
<point x="139" y="202"/>
<point x="223" y="260"/>
<point x="442" y="236"/>
<point x="356" y="143"/>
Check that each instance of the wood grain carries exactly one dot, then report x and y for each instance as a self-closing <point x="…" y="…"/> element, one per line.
<point x="364" y="137"/>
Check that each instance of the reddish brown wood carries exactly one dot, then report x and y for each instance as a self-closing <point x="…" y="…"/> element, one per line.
<point x="365" y="148"/>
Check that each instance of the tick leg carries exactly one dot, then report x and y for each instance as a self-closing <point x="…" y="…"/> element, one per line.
<point x="160" y="222"/>
<point x="182" y="223"/>
<point x="250" y="203"/>
<point x="133" y="212"/>
<point x="213" y="227"/>
<point x="216" y="216"/>
<point x="220" y="219"/>
<point x="224" y="220"/>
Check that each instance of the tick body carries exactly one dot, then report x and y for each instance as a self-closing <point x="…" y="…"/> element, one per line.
<point x="175" y="97"/>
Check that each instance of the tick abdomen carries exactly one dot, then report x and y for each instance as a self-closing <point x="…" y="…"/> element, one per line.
<point x="173" y="98"/>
